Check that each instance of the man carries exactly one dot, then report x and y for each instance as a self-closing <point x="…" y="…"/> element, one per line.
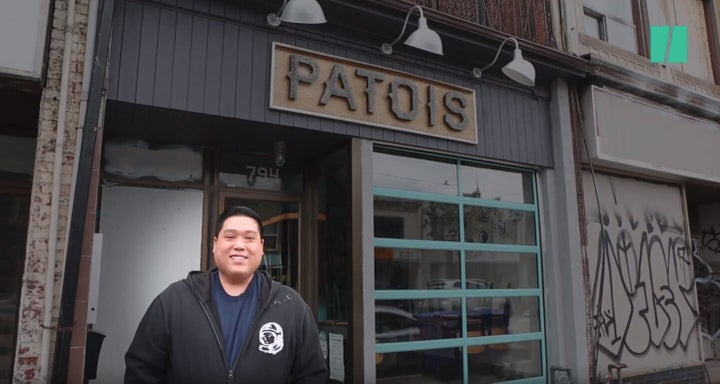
<point x="232" y="324"/>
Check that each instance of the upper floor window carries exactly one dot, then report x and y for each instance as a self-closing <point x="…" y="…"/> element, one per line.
<point x="611" y="21"/>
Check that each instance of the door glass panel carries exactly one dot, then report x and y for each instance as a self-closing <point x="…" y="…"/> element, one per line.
<point x="281" y="234"/>
<point x="502" y="270"/>
<point x="417" y="220"/>
<point x="404" y="268"/>
<point x="419" y="319"/>
<point x="496" y="184"/>
<point x="499" y="226"/>
<point x="414" y="173"/>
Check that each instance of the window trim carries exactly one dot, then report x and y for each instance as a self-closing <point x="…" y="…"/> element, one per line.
<point x="602" y="24"/>
<point x="713" y="30"/>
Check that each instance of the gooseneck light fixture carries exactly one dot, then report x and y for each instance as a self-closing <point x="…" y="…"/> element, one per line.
<point x="298" y="11"/>
<point x="519" y="69"/>
<point x="423" y="38"/>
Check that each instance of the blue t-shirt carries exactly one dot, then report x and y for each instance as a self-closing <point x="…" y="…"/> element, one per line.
<point x="236" y="314"/>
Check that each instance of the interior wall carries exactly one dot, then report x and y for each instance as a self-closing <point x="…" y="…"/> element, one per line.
<point x="151" y="238"/>
<point x="709" y="235"/>
<point x="644" y="309"/>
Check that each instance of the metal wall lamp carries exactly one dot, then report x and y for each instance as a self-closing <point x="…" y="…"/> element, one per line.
<point x="519" y="69"/>
<point x="423" y="38"/>
<point x="298" y="11"/>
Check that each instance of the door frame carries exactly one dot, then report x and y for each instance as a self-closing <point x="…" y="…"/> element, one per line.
<point x="307" y="284"/>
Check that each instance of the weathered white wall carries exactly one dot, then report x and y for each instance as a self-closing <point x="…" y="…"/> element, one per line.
<point x="151" y="238"/>
<point x="644" y="307"/>
<point x="22" y="36"/>
<point x="624" y="132"/>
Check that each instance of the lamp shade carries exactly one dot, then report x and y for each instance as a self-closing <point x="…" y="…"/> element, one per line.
<point x="303" y="12"/>
<point x="520" y="70"/>
<point x="425" y="38"/>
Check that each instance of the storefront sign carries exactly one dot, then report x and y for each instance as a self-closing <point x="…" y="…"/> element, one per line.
<point x="329" y="86"/>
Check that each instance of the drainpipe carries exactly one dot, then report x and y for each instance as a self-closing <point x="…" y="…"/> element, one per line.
<point x="94" y="110"/>
<point x="55" y="196"/>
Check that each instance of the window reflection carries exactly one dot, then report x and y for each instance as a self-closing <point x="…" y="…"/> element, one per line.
<point x="414" y="174"/>
<point x="502" y="270"/>
<point x="494" y="184"/>
<point x="499" y="226"/>
<point x="417" y="220"/>
<point x="418" y="319"/>
<point x="400" y="268"/>
<point x="503" y="362"/>
<point x="491" y="316"/>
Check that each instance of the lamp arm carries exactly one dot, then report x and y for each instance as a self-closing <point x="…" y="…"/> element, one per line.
<point x="273" y="19"/>
<point x="497" y="54"/>
<point x="405" y="23"/>
<point x="279" y="12"/>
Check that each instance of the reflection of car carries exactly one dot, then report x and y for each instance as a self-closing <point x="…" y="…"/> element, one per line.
<point x="455" y="284"/>
<point x="394" y="324"/>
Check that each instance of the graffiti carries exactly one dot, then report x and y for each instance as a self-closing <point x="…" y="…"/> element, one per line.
<point x="711" y="239"/>
<point x="642" y="291"/>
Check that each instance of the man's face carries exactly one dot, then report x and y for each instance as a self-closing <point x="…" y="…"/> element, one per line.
<point x="238" y="248"/>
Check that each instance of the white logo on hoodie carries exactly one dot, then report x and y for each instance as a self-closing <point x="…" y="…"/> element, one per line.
<point x="271" y="338"/>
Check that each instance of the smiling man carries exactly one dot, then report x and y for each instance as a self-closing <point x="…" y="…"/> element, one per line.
<point x="231" y="324"/>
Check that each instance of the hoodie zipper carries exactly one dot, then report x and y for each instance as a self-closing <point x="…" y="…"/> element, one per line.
<point x="230" y="374"/>
<point x="215" y="332"/>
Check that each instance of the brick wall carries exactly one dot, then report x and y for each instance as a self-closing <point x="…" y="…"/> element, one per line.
<point x="31" y="311"/>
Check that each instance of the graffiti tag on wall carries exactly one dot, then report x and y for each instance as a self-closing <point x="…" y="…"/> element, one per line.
<point x="642" y="279"/>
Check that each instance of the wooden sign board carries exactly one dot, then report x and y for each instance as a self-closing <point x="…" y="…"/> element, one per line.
<point x="317" y="84"/>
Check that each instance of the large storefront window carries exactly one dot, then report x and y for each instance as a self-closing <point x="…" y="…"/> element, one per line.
<point x="457" y="266"/>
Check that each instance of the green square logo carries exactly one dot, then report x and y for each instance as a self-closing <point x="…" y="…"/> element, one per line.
<point x="668" y="44"/>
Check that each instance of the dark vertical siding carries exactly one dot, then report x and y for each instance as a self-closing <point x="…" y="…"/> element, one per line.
<point x="213" y="57"/>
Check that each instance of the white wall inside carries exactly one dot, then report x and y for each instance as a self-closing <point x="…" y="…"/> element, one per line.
<point x="22" y="36"/>
<point x="643" y="298"/>
<point x="151" y="238"/>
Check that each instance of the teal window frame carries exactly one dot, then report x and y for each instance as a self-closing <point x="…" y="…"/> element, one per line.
<point x="462" y="247"/>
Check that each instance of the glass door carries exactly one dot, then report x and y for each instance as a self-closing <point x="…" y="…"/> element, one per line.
<point x="281" y="229"/>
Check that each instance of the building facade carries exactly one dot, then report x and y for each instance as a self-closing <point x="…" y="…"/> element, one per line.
<point x="649" y="185"/>
<point x="441" y="226"/>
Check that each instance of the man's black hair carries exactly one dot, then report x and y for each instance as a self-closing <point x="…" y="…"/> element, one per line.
<point x="238" y="211"/>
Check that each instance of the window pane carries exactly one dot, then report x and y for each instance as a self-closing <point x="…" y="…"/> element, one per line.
<point x="592" y="26"/>
<point x="414" y="268"/>
<point x="621" y="35"/>
<point x="494" y="184"/>
<point x="414" y="174"/>
<point x="502" y="270"/>
<point x="428" y="366"/>
<point x="418" y="220"/>
<point x="492" y="316"/>
<point x="420" y="319"/>
<point x="501" y="362"/>
<point x="620" y="9"/>
<point x="499" y="226"/>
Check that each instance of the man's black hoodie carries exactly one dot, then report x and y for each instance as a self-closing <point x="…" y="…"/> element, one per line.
<point x="179" y="339"/>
